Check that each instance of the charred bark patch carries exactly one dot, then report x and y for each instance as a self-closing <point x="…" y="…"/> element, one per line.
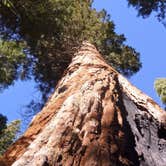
<point x="127" y="151"/>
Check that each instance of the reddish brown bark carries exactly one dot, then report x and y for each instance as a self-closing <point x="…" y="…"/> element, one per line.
<point x="94" y="117"/>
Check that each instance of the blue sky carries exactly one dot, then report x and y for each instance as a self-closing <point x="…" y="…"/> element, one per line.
<point x="147" y="36"/>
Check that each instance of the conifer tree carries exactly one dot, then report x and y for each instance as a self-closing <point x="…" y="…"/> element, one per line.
<point x="8" y="133"/>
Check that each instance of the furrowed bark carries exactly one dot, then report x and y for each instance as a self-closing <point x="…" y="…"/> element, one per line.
<point x="94" y="117"/>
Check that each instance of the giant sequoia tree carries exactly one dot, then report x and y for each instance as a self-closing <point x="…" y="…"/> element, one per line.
<point x="94" y="117"/>
<point x="38" y="39"/>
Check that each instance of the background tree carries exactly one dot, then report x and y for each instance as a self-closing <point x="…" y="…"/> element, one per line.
<point x="49" y="31"/>
<point x="160" y="86"/>
<point x="8" y="133"/>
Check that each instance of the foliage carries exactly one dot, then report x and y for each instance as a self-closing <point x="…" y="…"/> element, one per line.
<point x="8" y="133"/>
<point x="145" y="8"/>
<point x="11" y="57"/>
<point x="160" y="86"/>
<point x="53" y="30"/>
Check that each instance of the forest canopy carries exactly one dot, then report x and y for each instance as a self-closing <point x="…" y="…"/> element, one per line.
<point x="43" y="35"/>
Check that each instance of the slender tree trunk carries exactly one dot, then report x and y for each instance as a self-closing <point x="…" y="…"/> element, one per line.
<point x="95" y="117"/>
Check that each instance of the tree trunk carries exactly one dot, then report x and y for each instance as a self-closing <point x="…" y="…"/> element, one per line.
<point x="95" y="117"/>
